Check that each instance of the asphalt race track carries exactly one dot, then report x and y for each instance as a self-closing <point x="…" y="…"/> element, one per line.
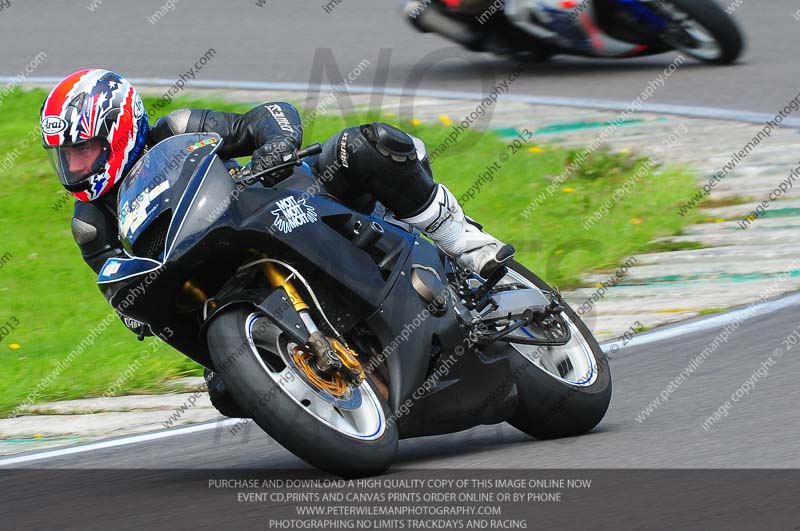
<point x="165" y="483"/>
<point x="759" y="430"/>
<point x="277" y="43"/>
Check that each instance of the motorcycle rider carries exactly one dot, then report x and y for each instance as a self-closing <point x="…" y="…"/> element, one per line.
<point x="95" y="128"/>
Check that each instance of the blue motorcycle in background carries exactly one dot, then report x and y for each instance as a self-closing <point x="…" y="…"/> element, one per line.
<point x="538" y="29"/>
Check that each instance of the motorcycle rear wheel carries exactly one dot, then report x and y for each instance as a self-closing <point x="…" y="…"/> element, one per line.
<point x="563" y="391"/>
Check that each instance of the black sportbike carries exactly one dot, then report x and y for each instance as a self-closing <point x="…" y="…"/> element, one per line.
<point x="338" y="331"/>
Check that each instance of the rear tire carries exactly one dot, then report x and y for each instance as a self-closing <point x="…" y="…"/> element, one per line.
<point x="549" y="407"/>
<point x="250" y="377"/>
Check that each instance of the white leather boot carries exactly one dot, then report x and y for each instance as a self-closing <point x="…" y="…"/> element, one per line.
<point x="444" y="223"/>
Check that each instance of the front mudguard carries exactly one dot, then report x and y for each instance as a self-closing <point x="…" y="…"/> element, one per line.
<point x="274" y="304"/>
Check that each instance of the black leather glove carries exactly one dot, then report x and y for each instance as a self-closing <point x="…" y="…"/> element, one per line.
<point x="274" y="153"/>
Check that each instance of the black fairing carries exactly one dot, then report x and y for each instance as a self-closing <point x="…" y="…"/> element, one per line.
<point x="204" y="227"/>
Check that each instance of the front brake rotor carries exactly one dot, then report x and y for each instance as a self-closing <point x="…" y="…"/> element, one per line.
<point x="334" y="383"/>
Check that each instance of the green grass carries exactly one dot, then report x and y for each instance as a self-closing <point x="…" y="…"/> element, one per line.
<point x="51" y="292"/>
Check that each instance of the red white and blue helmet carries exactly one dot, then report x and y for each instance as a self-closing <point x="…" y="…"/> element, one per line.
<point x="96" y="112"/>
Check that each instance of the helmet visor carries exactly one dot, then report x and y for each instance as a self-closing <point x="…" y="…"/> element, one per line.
<point x="76" y="163"/>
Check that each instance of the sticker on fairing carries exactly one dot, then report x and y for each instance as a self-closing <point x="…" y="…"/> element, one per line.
<point x="202" y="144"/>
<point x="292" y="213"/>
<point x="131" y="218"/>
<point x="111" y="268"/>
<point x="158" y="190"/>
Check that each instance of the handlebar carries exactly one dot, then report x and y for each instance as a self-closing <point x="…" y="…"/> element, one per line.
<point x="310" y="151"/>
<point x="247" y="177"/>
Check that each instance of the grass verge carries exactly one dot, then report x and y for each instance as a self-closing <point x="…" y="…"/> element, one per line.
<point x="52" y="297"/>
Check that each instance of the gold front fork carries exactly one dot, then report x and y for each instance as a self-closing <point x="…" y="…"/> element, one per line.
<point x="279" y="280"/>
<point x="330" y="354"/>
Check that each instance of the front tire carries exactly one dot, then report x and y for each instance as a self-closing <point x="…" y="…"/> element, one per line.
<point x="712" y="35"/>
<point x="250" y="354"/>
<point x="550" y="406"/>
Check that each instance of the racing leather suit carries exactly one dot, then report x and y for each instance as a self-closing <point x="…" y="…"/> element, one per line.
<point x="359" y="165"/>
<point x="373" y="161"/>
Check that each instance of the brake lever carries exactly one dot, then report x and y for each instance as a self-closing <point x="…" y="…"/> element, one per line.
<point x="246" y="176"/>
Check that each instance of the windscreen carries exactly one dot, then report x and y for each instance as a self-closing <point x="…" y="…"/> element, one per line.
<point x="150" y="187"/>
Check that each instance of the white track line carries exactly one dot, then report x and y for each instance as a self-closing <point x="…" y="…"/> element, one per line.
<point x="121" y="441"/>
<point x="712" y="113"/>
<point x="708" y="323"/>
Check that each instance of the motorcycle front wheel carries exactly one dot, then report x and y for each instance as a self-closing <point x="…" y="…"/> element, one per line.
<point x="351" y="435"/>
<point x="703" y="30"/>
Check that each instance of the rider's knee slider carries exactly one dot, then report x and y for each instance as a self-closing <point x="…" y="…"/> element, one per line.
<point x="390" y="141"/>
